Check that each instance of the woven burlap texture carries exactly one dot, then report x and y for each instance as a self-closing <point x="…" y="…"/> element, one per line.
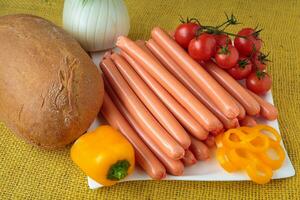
<point x="30" y="173"/>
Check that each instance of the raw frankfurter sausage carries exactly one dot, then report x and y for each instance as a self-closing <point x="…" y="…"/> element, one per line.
<point x="144" y="156"/>
<point x="199" y="149"/>
<point x="189" y="158"/>
<point x="215" y="133"/>
<point x="178" y="111"/>
<point x="234" y="88"/>
<point x="143" y="46"/>
<point x="170" y="83"/>
<point x="211" y="88"/>
<point x="140" y="112"/>
<point x="182" y="76"/>
<point x="242" y="113"/>
<point x="248" y="121"/>
<point x="174" y="167"/>
<point x="210" y="141"/>
<point x="152" y="102"/>
<point x="183" y="115"/>
<point x="267" y="110"/>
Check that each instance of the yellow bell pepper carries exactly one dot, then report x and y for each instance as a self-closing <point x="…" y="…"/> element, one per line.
<point x="104" y="154"/>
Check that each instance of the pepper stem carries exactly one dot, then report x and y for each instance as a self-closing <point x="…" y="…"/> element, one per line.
<point x="118" y="171"/>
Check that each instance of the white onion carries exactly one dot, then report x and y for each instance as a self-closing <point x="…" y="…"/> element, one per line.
<point x="96" y="24"/>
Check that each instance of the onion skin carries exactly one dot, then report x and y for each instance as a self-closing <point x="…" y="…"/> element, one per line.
<point x="96" y="24"/>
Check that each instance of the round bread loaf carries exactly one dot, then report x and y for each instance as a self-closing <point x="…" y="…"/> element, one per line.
<point x="50" y="90"/>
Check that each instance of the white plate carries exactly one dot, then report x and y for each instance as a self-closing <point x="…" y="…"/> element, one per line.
<point x="208" y="170"/>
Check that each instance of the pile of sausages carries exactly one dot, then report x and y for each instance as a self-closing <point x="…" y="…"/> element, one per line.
<point x="169" y="106"/>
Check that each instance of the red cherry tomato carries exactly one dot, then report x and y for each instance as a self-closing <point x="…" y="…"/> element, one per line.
<point x="259" y="61"/>
<point x="259" y="82"/>
<point x="257" y="43"/>
<point x="227" y="57"/>
<point x="259" y="66"/>
<point x="242" y="69"/>
<point x="203" y="47"/>
<point x="185" y="33"/>
<point x="222" y="40"/>
<point x="248" y="44"/>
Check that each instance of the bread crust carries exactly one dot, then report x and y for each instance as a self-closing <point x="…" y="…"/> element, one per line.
<point x="50" y="90"/>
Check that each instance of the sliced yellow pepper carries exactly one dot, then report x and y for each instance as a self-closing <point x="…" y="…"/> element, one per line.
<point x="273" y="163"/>
<point x="269" y="129"/>
<point x="224" y="160"/>
<point x="240" y="157"/>
<point x="256" y="142"/>
<point x="247" y="148"/>
<point x="246" y="130"/>
<point x="104" y="154"/>
<point x="259" y="143"/>
<point x="259" y="172"/>
<point x="233" y="138"/>
<point x="218" y="140"/>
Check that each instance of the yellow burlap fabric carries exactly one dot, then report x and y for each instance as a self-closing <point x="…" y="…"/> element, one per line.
<point x="29" y="173"/>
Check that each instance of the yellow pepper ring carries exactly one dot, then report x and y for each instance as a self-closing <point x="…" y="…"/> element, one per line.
<point x="246" y="130"/>
<point x="273" y="163"/>
<point x="234" y="138"/>
<point x="247" y="148"/>
<point x="259" y="143"/>
<point x="224" y="161"/>
<point x="218" y="140"/>
<point x="259" y="172"/>
<point x="255" y="141"/>
<point x="239" y="157"/>
<point x="270" y="129"/>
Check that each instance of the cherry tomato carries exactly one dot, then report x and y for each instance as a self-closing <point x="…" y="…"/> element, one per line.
<point x="259" y="66"/>
<point x="242" y="69"/>
<point x="222" y="40"/>
<point x="185" y="33"/>
<point x="203" y="47"/>
<point x="259" y="61"/>
<point x="227" y="57"/>
<point x="257" y="43"/>
<point x="259" y="82"/>
<point x="248" y="45"/>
